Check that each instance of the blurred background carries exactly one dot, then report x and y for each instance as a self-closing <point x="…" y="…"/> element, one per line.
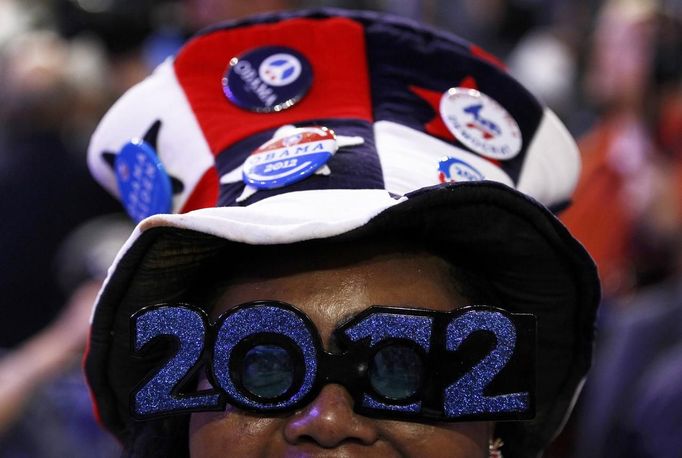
<point x="611" y="69"/>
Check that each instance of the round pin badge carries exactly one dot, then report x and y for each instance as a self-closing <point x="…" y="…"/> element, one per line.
<point x="480" y="123"/>
<point x="455" y="170"/>
<point x="143" y="183"/>
<point x="267" y="79"/>
<point x="285" y="160"/>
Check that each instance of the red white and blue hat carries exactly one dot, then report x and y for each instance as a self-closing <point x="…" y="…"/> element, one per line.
<point x="330" y="125"/>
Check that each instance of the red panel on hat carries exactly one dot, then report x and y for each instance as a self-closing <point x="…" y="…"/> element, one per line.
<point x="334" y="47"/>
<point x="205" y="194"/>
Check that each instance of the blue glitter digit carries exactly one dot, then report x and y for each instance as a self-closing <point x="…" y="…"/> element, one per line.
<point x="255" y="319"/>
<point x="465" y="396"/>
<point x="380" y="326"/>
<point x="188" y="328"/>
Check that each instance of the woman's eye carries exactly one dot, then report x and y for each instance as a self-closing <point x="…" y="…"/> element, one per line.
<point x="268" y="371"/>
<point x="395" y="372"/>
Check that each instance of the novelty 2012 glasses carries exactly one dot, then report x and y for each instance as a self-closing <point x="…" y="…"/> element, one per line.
<point x="473" y="363"/>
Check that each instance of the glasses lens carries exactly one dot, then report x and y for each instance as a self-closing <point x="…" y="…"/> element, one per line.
<point x="395" y="372"/>
<point x="268" y="371"/>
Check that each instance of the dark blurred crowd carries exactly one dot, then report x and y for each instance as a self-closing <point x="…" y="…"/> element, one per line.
<point x="611" y="69"/>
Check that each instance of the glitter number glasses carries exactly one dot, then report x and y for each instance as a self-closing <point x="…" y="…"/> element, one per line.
<point x="473" y="363"/>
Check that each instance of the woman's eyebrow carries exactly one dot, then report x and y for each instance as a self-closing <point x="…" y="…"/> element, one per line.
<point x="345" y="318"/>
<point x="333" y="344"/>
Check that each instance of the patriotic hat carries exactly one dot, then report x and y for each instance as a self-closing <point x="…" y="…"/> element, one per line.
<point x="334" y="125"/>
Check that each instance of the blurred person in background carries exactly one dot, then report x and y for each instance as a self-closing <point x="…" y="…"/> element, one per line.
<point x="44" y="406"/>
<point x="51" y="92"/>
<point x="627" y="211"/>
<point x="633" y="400"/>
<point x="633" y="81"/>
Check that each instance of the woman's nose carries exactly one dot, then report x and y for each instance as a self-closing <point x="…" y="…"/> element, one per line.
<point x="329" y="421"/>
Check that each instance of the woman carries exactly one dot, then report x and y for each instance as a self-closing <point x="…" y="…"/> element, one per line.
<point x="338" y="161"/>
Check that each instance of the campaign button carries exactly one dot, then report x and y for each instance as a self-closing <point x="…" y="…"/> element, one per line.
<point x="143" y="183"/>
<point x="291" y="158"/>
<point x="267" y="79"/>
<point x="455" y="170"/>
<point x="480" y="123"/>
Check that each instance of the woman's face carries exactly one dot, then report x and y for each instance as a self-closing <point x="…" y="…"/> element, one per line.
<point x="329" y="293"/>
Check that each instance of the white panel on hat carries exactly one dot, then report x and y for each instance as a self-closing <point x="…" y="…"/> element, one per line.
<point x="552" y="165"/>
<point x="135" y="112"/>
<point x="284" y="218"/>
<point x="409" y="158"/>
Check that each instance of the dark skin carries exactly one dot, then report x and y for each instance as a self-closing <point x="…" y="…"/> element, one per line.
<point x="330" y="292"/>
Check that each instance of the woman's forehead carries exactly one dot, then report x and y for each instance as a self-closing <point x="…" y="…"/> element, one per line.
<point x="331" y="292"/>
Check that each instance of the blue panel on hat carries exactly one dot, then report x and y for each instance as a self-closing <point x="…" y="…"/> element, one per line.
<point x="352" y="167"/>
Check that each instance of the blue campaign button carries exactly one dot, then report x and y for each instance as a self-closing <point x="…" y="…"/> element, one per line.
<point x="455" y="170"/>
<point x="289" y="159"/>
<point x="267" y="79"/>
<point x="143" y="183"/>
